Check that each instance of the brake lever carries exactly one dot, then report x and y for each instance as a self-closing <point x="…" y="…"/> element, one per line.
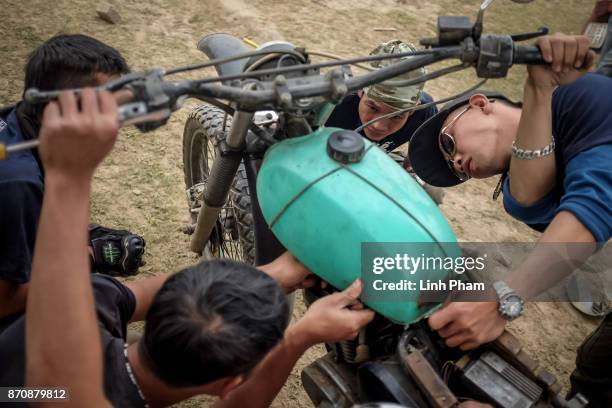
<point x="136" y="113"/>
<point x="125" y="80"/>
<point x="35" y="96"/>
<point x="153" y="106"/>
<point x="528" y="36"/>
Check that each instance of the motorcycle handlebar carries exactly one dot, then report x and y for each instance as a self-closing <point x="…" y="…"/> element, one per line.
<point x="492" y="59"/>
<point x="527" y="54"/>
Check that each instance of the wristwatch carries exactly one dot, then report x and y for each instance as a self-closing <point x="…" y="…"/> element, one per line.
<point x="510" y="303"/>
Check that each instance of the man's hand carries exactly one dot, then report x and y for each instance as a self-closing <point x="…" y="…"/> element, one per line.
<point x="569" y="58"/>
<point x="467" y="325"/>
<point x="337" y="317"/>
<point x="73" y="139"/>
<point x="289" y="273"/>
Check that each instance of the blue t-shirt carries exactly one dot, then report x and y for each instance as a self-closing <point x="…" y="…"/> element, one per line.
<point x="21" y="193"/>
<point x="582" y="128"/>
<point x="346" y="116"/>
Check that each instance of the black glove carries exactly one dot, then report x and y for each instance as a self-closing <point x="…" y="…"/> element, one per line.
<point x="115" y="252"/>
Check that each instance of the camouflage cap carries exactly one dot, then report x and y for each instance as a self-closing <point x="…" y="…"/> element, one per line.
<point x="398" y="97"/>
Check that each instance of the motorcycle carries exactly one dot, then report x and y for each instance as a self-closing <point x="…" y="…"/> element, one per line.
<point x="279" y="99"/>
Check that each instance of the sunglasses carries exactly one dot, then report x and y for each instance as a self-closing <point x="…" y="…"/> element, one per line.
<point x="448" y="146"/>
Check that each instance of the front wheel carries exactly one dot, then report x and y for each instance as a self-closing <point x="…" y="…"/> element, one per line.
<point x="232" y="237"/>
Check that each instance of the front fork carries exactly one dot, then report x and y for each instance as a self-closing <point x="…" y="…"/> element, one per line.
<point x="267" y="246"/>
<point x="220" y="179"/>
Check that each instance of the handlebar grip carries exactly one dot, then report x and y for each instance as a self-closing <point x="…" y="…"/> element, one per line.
<point x="527" y="54"/>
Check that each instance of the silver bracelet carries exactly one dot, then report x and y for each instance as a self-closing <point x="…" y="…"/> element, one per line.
<point x="524" y="154"/>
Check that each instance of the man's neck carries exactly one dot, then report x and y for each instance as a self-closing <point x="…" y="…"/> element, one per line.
<point x="509" y="118"/>
<point x="155" y="391"/>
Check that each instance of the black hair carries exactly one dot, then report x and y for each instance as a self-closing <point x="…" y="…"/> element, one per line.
<point x="213" y="320"/>
<point x="71" y="61"/>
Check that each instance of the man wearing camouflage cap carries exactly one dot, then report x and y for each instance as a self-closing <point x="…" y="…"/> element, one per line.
<point x="384" y="98"/>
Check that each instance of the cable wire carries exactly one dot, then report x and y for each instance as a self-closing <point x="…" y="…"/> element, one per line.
<point x="337" y="57"/>
<point x="427" y="77"/>
<point x="220" y="61"/>
<point x="305" y="67"/>
<point x="350" y="61"/>
<point x="422" y="106"/>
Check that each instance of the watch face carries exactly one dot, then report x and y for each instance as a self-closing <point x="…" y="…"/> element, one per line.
<point x="513" y="306"/>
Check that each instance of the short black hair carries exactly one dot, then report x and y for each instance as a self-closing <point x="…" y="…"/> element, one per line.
<point x="213" y="320"/>
<point x="71" y="61"/>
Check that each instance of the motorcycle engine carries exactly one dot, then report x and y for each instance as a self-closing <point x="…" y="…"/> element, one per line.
<point x="366" y="369"/>
<point x="411" y="365"/>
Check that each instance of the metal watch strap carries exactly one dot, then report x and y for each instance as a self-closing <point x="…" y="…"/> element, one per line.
<point x="503" y="292"/>
<point x="525" y="154"/>
<point x="502" y="289"/>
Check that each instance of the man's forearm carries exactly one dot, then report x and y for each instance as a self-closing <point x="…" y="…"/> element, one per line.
<point x="269" y="376"/>
<point x="530" y="180"/>
<point x="565" y="245"/>
<point x="144" y="291"/>
<point x="63" y="341"/>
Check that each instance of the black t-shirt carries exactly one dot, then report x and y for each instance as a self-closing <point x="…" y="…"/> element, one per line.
<point x="346" y="116"/>
<point x="115" y="305"/>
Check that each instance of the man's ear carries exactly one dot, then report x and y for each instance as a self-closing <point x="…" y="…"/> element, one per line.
<point x="231" y="383"/>
<point x="482" y="102"/>
<point x="360" y="93"/>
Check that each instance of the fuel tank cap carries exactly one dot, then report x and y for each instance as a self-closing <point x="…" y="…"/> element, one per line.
<point x="345" y="146"/>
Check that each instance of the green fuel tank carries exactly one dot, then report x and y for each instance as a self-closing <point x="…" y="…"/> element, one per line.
<point x="327" y="193"/>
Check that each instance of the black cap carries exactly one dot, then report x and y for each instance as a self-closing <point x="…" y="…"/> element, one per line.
<point x="345" y="146"/>
<point x="424" y="153"/>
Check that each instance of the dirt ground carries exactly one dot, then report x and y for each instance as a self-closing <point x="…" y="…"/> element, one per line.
<point x="140" y="186"/>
